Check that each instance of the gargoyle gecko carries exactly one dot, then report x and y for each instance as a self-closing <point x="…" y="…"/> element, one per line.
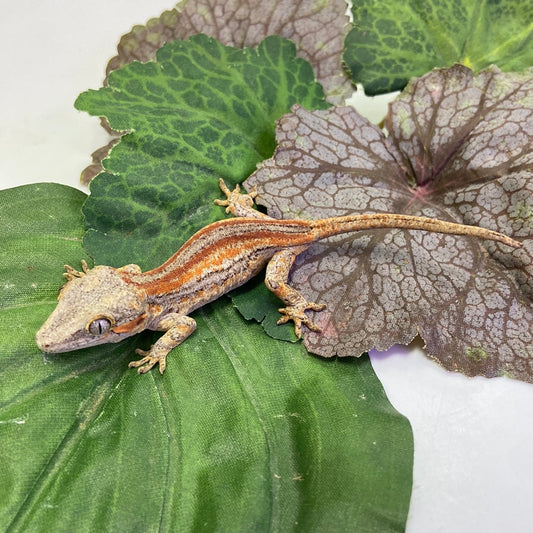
<point x="105" y="304"/>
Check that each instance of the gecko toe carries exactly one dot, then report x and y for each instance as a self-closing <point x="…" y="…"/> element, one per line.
<point x="298" y="316"/>
<point x="148" y="362"/>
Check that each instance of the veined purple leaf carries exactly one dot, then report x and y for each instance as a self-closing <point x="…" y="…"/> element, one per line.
<point x="458" y="149"/>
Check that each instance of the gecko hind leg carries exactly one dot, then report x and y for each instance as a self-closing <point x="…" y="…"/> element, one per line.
<point x="276" y="278"/>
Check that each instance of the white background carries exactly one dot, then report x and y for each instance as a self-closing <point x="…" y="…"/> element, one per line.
<point x="473" y="466"/>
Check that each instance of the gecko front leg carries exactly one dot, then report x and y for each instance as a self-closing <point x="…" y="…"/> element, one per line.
<point x="177" y="328"/>
<point x="237" y="203"/>
<point x="276" y="277"/>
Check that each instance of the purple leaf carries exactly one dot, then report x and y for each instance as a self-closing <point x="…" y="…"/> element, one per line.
<point x="459" y="149"/>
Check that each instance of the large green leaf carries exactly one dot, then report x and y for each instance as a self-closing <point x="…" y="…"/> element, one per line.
<point x="316" y="28"/>
<point x="242" y="433"/>
<point x="394" y="41"/>
<point x="201" y="111"/>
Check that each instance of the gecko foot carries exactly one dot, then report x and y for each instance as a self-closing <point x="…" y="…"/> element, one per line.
<point x="297" y="315"/>
<point x="72" y="273"/>
<point x="236" y="203"/>
<point x="148" y="362"/>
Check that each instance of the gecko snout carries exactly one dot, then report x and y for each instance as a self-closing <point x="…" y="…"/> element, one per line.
<point x="43" y="341"/>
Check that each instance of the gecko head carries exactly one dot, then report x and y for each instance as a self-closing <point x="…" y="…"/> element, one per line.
<point x="95" y="307"/>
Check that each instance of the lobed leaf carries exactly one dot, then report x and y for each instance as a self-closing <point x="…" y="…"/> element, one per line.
<point x="201" y="111"/>
<point x="391" y="42"/>
<point x="459" y="149"/>
<point x="242" y="432"/>
<point x="316" y="28"/>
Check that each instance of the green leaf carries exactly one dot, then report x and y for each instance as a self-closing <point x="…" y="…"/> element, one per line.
<point x="255" y="302"/>
<point x="242" y="433"/>
<point x="392" y="42"/>
<point x="316" y="28"/>
<point x="200" y="112"/>
<point x="41" y="230"/>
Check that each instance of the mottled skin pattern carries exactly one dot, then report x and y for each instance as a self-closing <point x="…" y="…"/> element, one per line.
<point x="105" y="304"/>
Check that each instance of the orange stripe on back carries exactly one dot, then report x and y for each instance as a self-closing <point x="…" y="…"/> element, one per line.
<point x="216" y="246"/>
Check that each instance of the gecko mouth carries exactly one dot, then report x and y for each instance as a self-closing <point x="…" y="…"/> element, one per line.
<point x="46" y="344"/>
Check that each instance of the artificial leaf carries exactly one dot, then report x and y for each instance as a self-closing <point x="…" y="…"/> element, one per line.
<point x="458" y="149"/>
<point x="89" y="172"/>
<point x="242" y="433"/>
<point x="391" y="42"/>
<point x="316" y="28"/>
<point x="255" y="302"/>
<point x="200" y="112"/>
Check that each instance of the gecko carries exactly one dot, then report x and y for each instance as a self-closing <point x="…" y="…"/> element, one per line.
<point x="106" y="305"/>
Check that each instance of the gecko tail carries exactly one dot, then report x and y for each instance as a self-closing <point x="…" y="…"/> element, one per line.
<point x="334" y="226"/>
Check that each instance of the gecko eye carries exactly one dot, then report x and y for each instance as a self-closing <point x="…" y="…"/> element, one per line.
<point x="99" y="325"/>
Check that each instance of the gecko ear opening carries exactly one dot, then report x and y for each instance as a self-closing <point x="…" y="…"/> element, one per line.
<point x="99" y="325"/>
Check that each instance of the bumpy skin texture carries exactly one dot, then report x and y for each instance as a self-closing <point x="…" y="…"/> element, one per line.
<point x="105" y="304"/>
<point x="86" y="302"/>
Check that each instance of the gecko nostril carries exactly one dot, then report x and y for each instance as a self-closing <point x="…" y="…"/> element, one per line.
<point x="41" y="341"/>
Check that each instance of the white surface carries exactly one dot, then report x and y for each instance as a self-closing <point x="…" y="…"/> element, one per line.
<point x="473" y="466"/>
